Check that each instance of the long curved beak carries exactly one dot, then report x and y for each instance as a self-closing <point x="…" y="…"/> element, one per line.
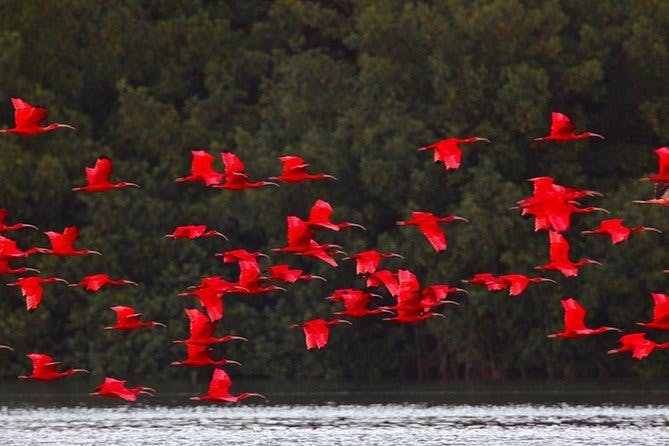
<point x="25" y="225"/>
<point x="646" y="228"/>
<point x="545" y="279"/>
<point x="32" y="270"/>
<point x="238" y="338"/>
<point x="270" y="183"/>
<point x="587" y="232"/>
<point x="606" y="211"/>
<point x="455" y="217"/>
<point x="81" y="371"/>
<point x="62" y="280"/>
<point x="344" y="321"/>
<point x="462" y="290"/>
<point x="132" y="185"/>
<point x="130" y="282"/>
<point x="159" y="324"/>
<point x="330" y="176"/>
<point x="230" y="361"/>
<point x="311" y="276"/>
<point x="356" y="225"/>
<point x="595" y="135"/>
<point x="220" y="234"/>
<point x="66" y="126"/>
<point x="484" y="140"/>
<point x="399" y="256"/>
<point x="97" y="253"/>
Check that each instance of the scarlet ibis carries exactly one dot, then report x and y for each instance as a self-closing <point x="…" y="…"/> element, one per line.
<point x="200" y="356"/>
<point x="412" y="306"/>
<point x="202" y="170"/>
<point x="95" y="282"/>
<point x="562" y="130"/>
<point x="660" y="312"/>
<point x="661" y="197"/>
<point x="235" y="176"/>
<point x="320" y="217"/>
<point x="638" y="344"/>
<point x="97" y="178"/>
<point x="618" y="232"/>
<point x="194" y="231"/>
<point x="295" y="171"/>
<point x="386" y="278"/>
<point x="448" y="150"/>
<point x="559" y="257"/>
<point x="366" y="262"/>
<point x="517" y="283"/>
<point x="241" y="255"/>
<point x="284" y="273"/>
<point x="219" y="390"/>
<point x="656" y="201"/>
<point x="210" y="292"/>
<point x="9" y="250"/>
<point x="4" y="213"/>
<point x="249" y="278"/>
<point x="62" y="244"/>
<point x="355" y="303"/>
<point x="428" y="224"/>
<point x="127" y="318"/>
<point x="300" y="242"/>
<point x="27" y="120"/>
<point x="44" y="369"/>
<point x="31" y="289"/>
<point x="116" y="388"/>
<point x="488" y="280"/>
<point x="202" y="330"/>
<point x="317" y="331"/>
<point x="6" y="269"/>
<point x="6" y="347"/>
<point x="662" y="176"/>
<point x="574" y="322"/>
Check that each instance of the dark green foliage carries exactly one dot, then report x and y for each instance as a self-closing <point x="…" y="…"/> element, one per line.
<point x="354" y="88"/>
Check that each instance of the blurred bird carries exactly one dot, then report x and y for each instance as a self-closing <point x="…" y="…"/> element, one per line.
<point x="202" y="170"/>
<point x="559" y="257"/>
<point x="317" y="331"/>
<point x="448" y="150"/>
<point x="638" y="344"/>
<point x="284" y="273"/>
<point x="356" y="303"/>
<point x="574" y="322"/>
<point x="618" y="232"/>
<point x="95" y="282"/>
<point x="44" y="369"/>
<point x="4" y="213"/>
<point x="115" y="388"/>
<point x="62" y="244"/>
<point x="236" y="177"/>
<point x="320" y="217"/>
<point x="367" y="262"/>
<point x="200" y="356"/>
<point x="295" y="171"/>
<point x="428" y="224"/>
<point x="660" y="312"/>
<point x="386" y="278"/>
<point x="412" y="306"/>
<point x="662" y="176"/>
<point x="127" y="318"/>
<point x="32" y="291"/>
<point x="202" y="330"/>
<point x="194" y="231"/>
<point x="562" y="130"/>
<point x="27" y="120"/>
<point x="97" y="178"/>
<point x="219" y="390"/>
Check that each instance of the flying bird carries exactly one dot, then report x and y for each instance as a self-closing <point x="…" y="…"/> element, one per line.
<point x="317" y="331"/>
<point x="6" y="269"/>
<point x="618" y="232"/>
<point x="32" y="291"/>
<point x="295" y="171"/>
<point x="28" y="120"/>
<point x="202" y="330"/>
<point x="284" y="273"/>
<point x="202" y="169"/>
<point x="97" y="178"/>
<point x="95" y="282"/>
<point x="662" y="176"/>
<point x="562" y="130"/>
<point x="191" y="232"/>
<point x="219" y="390"/>
<point x="236" y="177"/>
<point x="200" y="356"/>
<point x="574" y="322"/>
<point x="660" y="312"/>
<point x="428" y="224"/>
<point x="45" y="369"/>
<point x="448" y="150"/>
<point x="320" y="217"/>
<point x="127" y="318"/>
<point x="62" y="244"/>
<point x="559" y="257"/>
<point x="638" y="344"/>
<point x="4" y="213"/>
<point x="116" y="388"/>
<point x="9" y="250"/>
<point x="367" y="262"/>
<point x="356" y="303"/>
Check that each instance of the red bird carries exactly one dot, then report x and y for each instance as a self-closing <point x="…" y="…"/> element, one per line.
<point x="4" y="213"/>
<point x="660" y="313"/>
<point x="31" y="289"/>
<point x="562" y="130"/>
<point x="241" y="255"/>
<point x="235" y="176"/>
<point x="448" y="150"/>
<point x="517" y="283"/>
<point x="662" y="175"/>
<point x="6" y="269"/>
<point x="301" y="242"/>
<point x="638" y="344"/>
<point x="618" y="232"/>
<point x="115" y="388"/>
<point x="27" y="120"/>
<point x="355" y="303"/>
<point x="44" y="369"/>
<point x="95" y="282"/>
<point x="219" y="390"/>
<point x="97" y="178"/>
<point x="317" y="331"/>
<point x="210" y="292"/>
<point x="194" y="231"/>
<point x="202" y="330"/>
<point x="386" y="278"/>
<point x="428" y="223"/>
<point x="412" y="306"/>
<point x="200" y="356"/>
<point x="559" y="257"/>
<point x="249" y="279"/>
<point x="9" y="250"/>
<point x="366" y="262"/>
<point x="487" y="280"/>
<point x="127" y="318"/>
<point x="295" y="171"/>
<point x="202" y="170"/>
<point x="62" y="245"/>
<point x="320" y="214"/>
<point x="283" y="273"/>
<point x="574" y="322"/>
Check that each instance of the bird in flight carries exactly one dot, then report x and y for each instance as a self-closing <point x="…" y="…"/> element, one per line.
<point x="32" y="291"/>
<point x="202" y="169"/>
<point x="618" y="232"/>
<point x="28" y="119"/>
<point x="367" y="262"/>
<point x="428" y="224"/>
<point x="559" y="257"/>
<point x="562" y="130"/>
<point x="200" y="356"/>
<point x="45" y="369"/>
<point x="660" y="312"/>
<point x="95" y="282"/>
<point x="127" y="318"/>
<point x="317" y="331"/>
<point x="97" y="177"/>
<point x="574" y="322"/>
<point x="4" y="213"/>
<point x="219" y="390"/>
<point x="202" y="330"/>
<point x="448" y="150"/>
<point x="62" y="244"/>
<point x="295" y="171"/>
<point x="116" y="388"/>
<point x="236" y="177"/>
<point x="638" y="344"/>
<point x="320" y="217"/>
<point x="191" y="232"/>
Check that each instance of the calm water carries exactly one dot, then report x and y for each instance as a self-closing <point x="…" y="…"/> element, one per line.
<point x="441" y="420"/>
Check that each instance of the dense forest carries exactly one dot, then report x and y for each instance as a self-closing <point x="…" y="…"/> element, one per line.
<point x="355" y="88"/>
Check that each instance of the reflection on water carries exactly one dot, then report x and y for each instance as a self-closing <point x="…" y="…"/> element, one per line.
<point x="535" y="415"/>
